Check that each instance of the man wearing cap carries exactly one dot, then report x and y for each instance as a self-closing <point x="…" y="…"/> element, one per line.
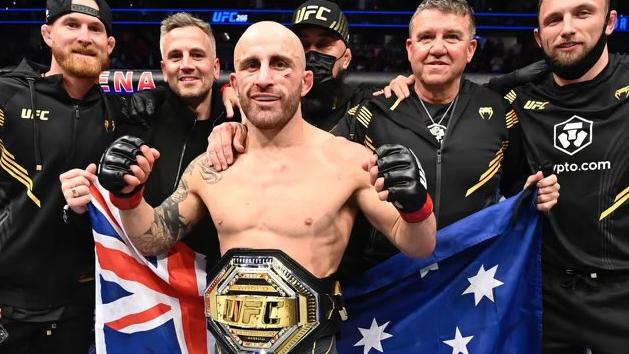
<point x="323" y="30"/>
<point x="458" y="128"/>
<point x="51" y="120"/>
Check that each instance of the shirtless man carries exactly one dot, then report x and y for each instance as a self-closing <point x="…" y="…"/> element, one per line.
<point x="296" y="190"/>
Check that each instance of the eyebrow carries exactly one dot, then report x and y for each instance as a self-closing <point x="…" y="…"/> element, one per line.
<point x="431" y="32"/>
<point x="71" y="18"/>
<point x="254" y="59"/>
<point x="584" y="6"/>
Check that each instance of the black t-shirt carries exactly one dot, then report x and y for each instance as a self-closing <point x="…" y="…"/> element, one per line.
<point x="582" y="131"/>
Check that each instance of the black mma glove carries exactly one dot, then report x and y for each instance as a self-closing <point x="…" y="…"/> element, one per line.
<point x="530" y="73"/>
<point x="142" y="105"/>
<point x="405" y="180"/>
<point x="114" y="164"/>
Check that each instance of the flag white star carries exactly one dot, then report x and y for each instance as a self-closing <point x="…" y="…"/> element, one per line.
<point x="373" y="337"/>
<point x="459" y="343"/>
<point x="424" y="271"/>
<point x="483" y="284"/>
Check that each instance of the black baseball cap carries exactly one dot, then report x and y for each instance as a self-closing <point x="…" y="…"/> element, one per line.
<point x="58" y="8"/>
<point x="322" y="13"/>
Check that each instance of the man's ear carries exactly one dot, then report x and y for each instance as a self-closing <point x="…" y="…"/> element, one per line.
<point x="217" y="68"/>
<point x="111" y="44"/>
<point x="233" y="82"/>
<point x="45" y="33"/>
<point x="163" y="65"/>
<point x="409" y="44"/>
<point x="471" y="49"/>
<point x="347" y="58"/>
<point x="307" y="82"/>
<point x="538" y="38"/>
<point x="611" y="23"/>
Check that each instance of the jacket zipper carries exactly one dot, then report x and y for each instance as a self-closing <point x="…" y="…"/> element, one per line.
<point x="183" y="152"/>
<point x="437" y="201"/>
<point x="75" y="122"/>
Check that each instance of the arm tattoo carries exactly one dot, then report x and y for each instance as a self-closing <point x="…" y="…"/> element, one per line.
<point x="168" y="225"/>
<point x="208" y="173"/>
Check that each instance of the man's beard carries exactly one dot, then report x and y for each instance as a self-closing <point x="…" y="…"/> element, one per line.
<point x="193" y="97"/>
<point x="267" y="120"/>
<point x="81" y="66"/>
<point x="574" y="67"/>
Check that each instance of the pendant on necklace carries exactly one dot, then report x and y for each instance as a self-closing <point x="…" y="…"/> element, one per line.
<point x="438" y="131"/>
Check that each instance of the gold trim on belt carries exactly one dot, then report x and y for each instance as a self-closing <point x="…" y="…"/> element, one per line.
<point x="262" y="300"/>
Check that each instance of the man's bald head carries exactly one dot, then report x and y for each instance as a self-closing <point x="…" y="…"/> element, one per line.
<point x="270" y="33"/>
<point x="270" y="74"/>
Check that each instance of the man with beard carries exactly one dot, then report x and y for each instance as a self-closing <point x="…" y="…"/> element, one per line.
<point x="180" y="125"/>
<point x="324" y="34"/>
<point x="577" y="119"/>
<point x="458" y="128"/>
<point x="51" y="119"/>
<point x="271" y="197"/>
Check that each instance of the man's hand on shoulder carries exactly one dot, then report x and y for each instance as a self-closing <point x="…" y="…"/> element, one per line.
<point x="225" y="141"/>
<point x="398" y="86"/>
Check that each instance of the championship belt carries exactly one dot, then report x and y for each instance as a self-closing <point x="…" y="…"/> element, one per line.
<point x="262" y="301"/>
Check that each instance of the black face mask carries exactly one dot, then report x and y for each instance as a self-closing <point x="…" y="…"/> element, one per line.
<point x="321" y="99"/>
<point x="577" y="69"/>
<point x="321" y="66"/>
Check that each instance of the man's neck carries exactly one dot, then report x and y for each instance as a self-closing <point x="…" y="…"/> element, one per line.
<point x="600" y="65"/>
<point x="201" y="108"/>
<point x="76" y="87"/>
<point x="438" y="94"/>
<point x="291" y="134"/>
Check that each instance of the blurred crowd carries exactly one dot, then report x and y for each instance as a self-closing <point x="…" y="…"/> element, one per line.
<point x="374" y="50"/>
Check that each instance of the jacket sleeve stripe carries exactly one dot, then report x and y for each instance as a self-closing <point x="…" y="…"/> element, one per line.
<point x="620" y="199"/>
<point x="494" y="167"/>
<point x="8" y="164"/>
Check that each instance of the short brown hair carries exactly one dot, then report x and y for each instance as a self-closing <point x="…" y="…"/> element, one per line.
<point x="457" y="7"/>
<point x="184" y="19"/>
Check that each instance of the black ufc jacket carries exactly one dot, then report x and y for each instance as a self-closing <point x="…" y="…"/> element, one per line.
<point x="464" y="172"/>
<point x="582" y="132"/>
<point x="41" y="257"/>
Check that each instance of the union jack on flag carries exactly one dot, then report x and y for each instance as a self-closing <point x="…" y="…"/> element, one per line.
<point x="145" y="304"/>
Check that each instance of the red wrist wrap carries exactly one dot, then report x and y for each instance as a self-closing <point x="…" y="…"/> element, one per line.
<point x="129" y="201"/>
<point x="420" y="215"/>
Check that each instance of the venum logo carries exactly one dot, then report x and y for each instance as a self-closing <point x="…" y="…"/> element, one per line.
<point x="573" y="135"/>
<point x="622" y="93"/>
<point x="486" y="112"/>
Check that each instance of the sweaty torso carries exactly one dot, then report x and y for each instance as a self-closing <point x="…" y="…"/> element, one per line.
<point x="296" y="199"/>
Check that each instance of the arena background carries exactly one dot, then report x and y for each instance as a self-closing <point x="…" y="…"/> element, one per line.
<point x="378" y="30"/>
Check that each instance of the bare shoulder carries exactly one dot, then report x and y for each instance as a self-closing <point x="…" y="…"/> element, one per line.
<point x="349" y="150"/>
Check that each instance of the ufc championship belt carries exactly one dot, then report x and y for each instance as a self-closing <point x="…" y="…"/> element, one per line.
<point x="262" y="301"/>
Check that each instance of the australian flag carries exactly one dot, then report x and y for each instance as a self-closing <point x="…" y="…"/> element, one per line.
<point x="145" y="304"/>
<point x="479" y="293"/>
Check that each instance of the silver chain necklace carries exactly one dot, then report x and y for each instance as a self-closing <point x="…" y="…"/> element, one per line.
<point x="436" y="128"/>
